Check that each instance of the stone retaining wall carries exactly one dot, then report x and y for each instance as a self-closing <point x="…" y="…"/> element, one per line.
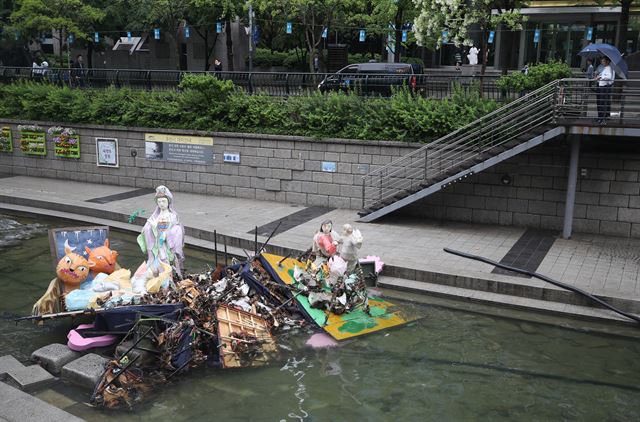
<point x="275" y="168"/>
<point x="289" y="169"/>
<point x="607" y="192"/>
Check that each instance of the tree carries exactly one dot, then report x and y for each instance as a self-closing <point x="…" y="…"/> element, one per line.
<point x="458" y="16"/>
<point x="168" y="15"/>
<point x="312" y="15"/>
<point x="201" y="17"/>
<point x="379" y="15"/>
<point x="62" y="17"/>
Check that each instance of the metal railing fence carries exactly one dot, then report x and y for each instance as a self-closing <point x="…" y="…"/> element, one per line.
<point x="436" y="85"/>
<point x="566" y="101"/>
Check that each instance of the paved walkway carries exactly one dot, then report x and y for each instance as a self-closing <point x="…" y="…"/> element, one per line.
<point x="413" y="249"/>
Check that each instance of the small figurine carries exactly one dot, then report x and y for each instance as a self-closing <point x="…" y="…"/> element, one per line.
<point x="325" y="242"/>
<point x="162" y="237"/>
<point x="349" y="244"/>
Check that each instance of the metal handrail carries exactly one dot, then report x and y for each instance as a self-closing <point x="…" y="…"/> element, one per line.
<point x="566" y="101"/>
<point x="437" y="158"/>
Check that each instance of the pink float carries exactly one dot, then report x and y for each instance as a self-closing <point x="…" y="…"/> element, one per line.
<point x="78" y="343"/>
<point x="321" y="340"/>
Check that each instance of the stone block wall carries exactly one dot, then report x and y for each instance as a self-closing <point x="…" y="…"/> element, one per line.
<point x="289" y="169"/>
<point x="607" y="193"/>
<point x="275" y="168"/>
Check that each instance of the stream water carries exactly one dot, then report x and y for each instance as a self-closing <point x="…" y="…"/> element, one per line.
<point x="450" y="365"/>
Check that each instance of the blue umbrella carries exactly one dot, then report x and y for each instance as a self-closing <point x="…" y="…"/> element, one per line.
<point x="619" y="65"/>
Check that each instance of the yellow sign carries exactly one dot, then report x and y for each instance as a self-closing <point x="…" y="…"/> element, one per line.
<point x="178" y="139"/>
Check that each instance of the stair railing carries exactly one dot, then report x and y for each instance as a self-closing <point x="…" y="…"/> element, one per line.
<point x="479" y="138"/>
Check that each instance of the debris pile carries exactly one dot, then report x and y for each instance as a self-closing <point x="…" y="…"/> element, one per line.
<point x="227" y="321"/>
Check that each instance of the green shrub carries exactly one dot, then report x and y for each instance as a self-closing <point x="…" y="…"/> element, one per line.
<point x="538" y="76"/>
<point x="209" y="104"/>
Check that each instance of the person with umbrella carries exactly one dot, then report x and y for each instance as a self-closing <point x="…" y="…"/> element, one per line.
<point x="603" y="94"/>
<point x="612" y="65"/>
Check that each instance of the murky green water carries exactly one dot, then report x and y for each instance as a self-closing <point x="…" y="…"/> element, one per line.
<point x="451" y="365"/>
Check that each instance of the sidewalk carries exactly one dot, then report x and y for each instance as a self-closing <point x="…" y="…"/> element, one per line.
<point x="411" y="249"/>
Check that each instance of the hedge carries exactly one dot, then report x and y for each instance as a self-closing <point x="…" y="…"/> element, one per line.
<point x="206" y="103"/>
<point x="537" y="76"/>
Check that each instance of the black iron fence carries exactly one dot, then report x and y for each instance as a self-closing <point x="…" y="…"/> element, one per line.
<point x="436" y="85"/>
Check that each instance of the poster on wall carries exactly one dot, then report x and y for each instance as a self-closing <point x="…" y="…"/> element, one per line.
<point x="179" y="148"/>
<point x="107" y="152"/>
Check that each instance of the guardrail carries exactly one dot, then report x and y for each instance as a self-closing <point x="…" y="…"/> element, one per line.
<point x="434" y="85"/>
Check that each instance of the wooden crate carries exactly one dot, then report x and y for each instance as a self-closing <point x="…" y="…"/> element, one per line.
<point x="231" y="320"/>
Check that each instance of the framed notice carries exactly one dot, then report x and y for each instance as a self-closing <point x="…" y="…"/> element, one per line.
<point x="179" y="148"/>
<point x="107" y="152"/>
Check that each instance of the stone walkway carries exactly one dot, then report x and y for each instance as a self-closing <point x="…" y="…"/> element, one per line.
<point x="412" y="249"/>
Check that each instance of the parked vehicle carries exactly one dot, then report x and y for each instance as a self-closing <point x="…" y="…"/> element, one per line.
<point x="371" y="78"/>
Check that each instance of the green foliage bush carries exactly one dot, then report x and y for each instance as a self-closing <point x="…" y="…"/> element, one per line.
<point x="538" y="76"/>
<point x="206" y="103"/>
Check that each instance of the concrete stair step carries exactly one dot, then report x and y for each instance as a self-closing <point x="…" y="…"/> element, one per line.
<point x="497" y="299"/>
<point x="18" y="406"/>
<point x="85" y="371"/>
<point x="30" y="378"/>
<point x="54" y="356"/>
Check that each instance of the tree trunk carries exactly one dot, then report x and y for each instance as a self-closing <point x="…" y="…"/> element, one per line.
<point x="176" y="46"/>
<point x="229" y="46"/>
<point x="60" y="44"/>
<point x="621" y="42"/>
<point x="398" y="36"/>
<point x="207" y="56"/>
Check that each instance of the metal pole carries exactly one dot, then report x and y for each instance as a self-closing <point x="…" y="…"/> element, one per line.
<point x="572" y="179"/>
<point x="250" y="37"/>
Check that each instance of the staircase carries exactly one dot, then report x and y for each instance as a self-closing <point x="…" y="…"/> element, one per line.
<point x="495" y="137"/>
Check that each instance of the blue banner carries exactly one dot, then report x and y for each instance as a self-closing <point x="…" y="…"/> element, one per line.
<point x="71" y="38"/>
<point x="362" y="35"/>
<point x="589" y="33"/>
<point x="491" y="35"/>
<point x="445" y="36"/>
<point x="17" y="35"/>
<point x="536" y="36"/>
<point x="256" y="35"/>
<point x="187" y="32"/>
<point x="128" y="35"/>
<point x="156" y="34"/>
<point x="404" y="36"/>
<point x="96" y="37"/>
<point x="289" y="27"/>
<point x="325" y="32"/>
<point x="219" y="27"/>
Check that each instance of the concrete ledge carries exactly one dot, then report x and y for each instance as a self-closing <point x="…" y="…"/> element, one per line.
<point x="85" y="371"/>
<point x="490" y="283"/>
<point x="8" y="364"/>
<point x="30" y="378"/>
<point x="54" y="356"/>
<point x="18" y="406"/>
<point x="488" y="298"/>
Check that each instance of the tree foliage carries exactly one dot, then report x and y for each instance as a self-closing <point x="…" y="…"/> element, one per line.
<point x="63" y="17"/>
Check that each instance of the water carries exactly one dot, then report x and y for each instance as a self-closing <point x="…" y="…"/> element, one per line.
<point x="451" y="365"/>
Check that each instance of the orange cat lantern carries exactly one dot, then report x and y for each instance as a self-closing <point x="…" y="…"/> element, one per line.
<point x="72" y="269"/>
<point x="102" y="259"/>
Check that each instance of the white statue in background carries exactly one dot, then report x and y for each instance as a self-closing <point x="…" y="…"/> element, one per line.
<point x="350" y="242"/>
<point x="473" y="55"/>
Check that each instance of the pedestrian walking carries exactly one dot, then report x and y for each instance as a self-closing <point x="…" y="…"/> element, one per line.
<point x="78" y="72"/>
<point x="603" y="94"/>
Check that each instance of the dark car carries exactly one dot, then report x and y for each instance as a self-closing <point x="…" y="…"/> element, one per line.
<point x="371" y="78"/>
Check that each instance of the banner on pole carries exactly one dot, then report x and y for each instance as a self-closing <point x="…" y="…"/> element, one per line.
<point x="218" y="27"/>
<point x="289" y="27"/>
<point x="156" y="33"/>
<point x="536" y="36"/>
<point x="96" y="37"/>
<point x="491" y="35"/>
<point x="362" y="35"/>
<point x="404" y="36"/>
